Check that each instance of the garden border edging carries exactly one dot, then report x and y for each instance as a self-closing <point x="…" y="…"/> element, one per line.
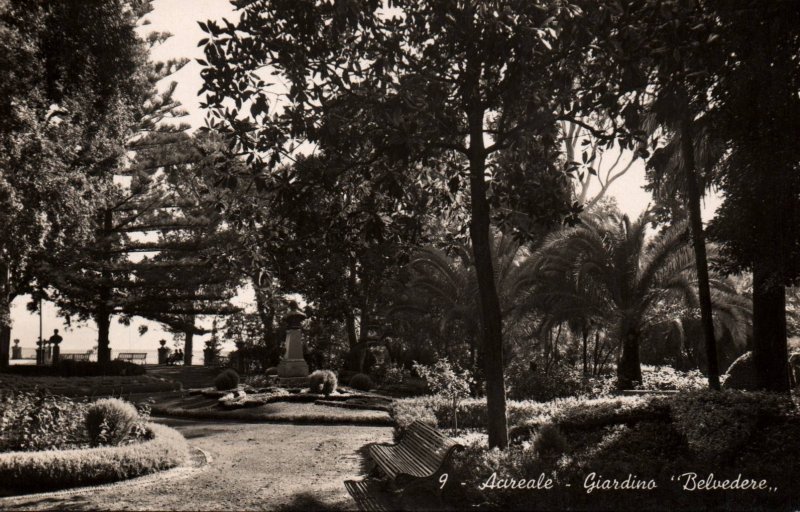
<point x="63" y="470"/>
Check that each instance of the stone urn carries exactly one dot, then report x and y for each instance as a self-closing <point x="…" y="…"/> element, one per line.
<point x="163" y="352"/>
<point x="209" y="355"/>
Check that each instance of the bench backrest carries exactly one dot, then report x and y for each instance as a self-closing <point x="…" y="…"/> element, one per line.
<point x="132" y="356"/>
<point x="75" y="357"/>
<point x="426" y="443"/>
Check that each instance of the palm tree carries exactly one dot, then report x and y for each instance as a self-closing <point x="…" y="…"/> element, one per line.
<point x="681" y="168"/>
<point x="732" y="317"/>
<point x="604" y="267"/>
<point x="449" y="283"/>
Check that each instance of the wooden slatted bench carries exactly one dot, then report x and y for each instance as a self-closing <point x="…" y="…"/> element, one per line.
<point x="420" y="455"/>
<point x="133" y="357"/>
<point x="74" y="357"/>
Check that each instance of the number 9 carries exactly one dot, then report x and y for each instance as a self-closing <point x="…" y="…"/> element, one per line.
<point x="443" y="480"/>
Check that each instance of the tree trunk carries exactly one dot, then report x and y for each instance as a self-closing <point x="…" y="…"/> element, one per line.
<point x="585" y="333"/>
<point x="596" y="356"/>
<point x="556" y="355"/>
<point x="103" y="320"/>
<point x="267" y="316"/>
<point x="770" y="352"/>
<point x="699" y="243"/>
<point x="188" y="346"/>
<point x="629" y="369"/>
<point x="103" y="312"/>
<point x="490" y="304"/>
<point x="350" y="324"/>
<point x="5" y="316"/>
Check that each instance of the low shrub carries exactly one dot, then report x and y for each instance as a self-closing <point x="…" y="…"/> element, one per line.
<point x="228" y="379"/>
<point x="406" y="412"/>
<point x="361" y="382"/>
<point x="71" y="368"/>
<point x="543" y="382"/>
<point x="110" y="421"/>
<point x="52" y="470"/>
<point x="323" y="381"/>
<point x="257" y="381"/>
<point x="668" y="378"/>
<point x="271" y="371"/>
<point x="448" y="382"/>
<point x="549" y="441"/>
<point x="88" y="386"/>
<point x="395" y="374"/>
<point x="40" y="421"/>
<point x="594" y="414"/>
<point x="656" y="437"/>
<point x="715" y="424"/>
<point x="472" y="412"/>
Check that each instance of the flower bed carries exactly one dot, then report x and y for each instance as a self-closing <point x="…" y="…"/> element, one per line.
<point x="59" y="469"/>
<point x="198" y="406"/>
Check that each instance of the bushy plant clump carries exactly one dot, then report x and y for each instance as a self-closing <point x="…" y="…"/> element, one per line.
<point x="323" y="381"/>
<point x="395" y="374"/>
<point x="110" y="421"/>
<point x="668" y="378"/>
<point x="561" y="380"/>
<point x="544" y="383"/>
<point x="40" y="421"/>
<point x="448" y="382"/>
<point x="549" y="441"/>
<point x="226" y="380"/>
<point x="361" y="382"/>
<point x="472" y="412"/>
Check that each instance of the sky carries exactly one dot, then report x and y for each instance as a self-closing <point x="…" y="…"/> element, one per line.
<point x="180" y="17"/>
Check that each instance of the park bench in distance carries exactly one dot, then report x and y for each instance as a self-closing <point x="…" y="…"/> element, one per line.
<point x="74" y="357"/>
<point x="417" y="458"/>
<point x="133" y="357"/>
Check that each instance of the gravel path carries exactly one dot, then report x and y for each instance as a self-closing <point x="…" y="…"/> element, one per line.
<point x="254" y="467"/>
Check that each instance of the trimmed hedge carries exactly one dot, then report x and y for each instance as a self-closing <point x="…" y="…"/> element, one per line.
<point x="361" y="382"/>
<point x="226" y="380"/>
<point x="71" y="368"/>
<point x="59" y="469"/>
<point x="109" y="421"/>
<point x="89" y="386"/>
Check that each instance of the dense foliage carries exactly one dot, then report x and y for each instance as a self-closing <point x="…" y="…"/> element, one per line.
<point x="655" y="438"/>
<point x="43" y="421"/>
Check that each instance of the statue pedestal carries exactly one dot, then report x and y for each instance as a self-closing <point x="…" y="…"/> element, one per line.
<point x="292" y="364"/>
<point x="292" y="369"/>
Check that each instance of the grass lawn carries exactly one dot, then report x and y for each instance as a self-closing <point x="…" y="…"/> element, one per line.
<point x="89" y="386"/>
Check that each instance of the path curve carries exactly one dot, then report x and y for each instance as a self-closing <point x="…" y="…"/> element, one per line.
<point x="256" y="466"/>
